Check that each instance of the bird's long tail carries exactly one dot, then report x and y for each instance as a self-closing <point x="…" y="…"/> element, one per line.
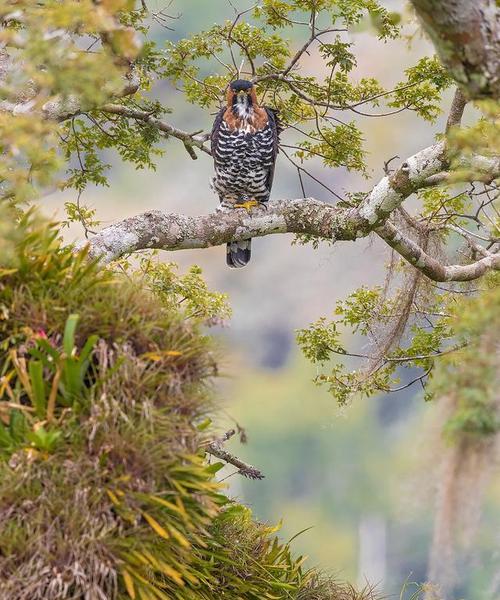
<point x="238" y="253"/>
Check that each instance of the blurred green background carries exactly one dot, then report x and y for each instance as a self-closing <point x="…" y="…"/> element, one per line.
<point x="362" y="478"/>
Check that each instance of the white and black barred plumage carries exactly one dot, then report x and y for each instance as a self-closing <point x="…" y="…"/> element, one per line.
<point x="244" y="147"/>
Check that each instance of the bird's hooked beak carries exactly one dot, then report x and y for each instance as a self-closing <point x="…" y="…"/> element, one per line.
<point x="243" y="96"/>
<point x="242" y="103"/>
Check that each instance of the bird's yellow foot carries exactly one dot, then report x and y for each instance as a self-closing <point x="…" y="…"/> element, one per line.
<point x="247" y="205"/>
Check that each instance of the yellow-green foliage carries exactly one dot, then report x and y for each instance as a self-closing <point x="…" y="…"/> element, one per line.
<point x="104" y="487"/>
<point x="55" y="35"/>
<point x="470" y="376"/>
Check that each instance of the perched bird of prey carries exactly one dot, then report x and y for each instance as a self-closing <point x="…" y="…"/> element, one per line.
<point x="244" y="147"/>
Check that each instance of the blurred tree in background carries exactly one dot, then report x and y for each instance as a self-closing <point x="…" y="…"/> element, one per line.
<point x="78" y="79"/>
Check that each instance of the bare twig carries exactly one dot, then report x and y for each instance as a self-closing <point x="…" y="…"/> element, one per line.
<point x="189" y="139"/>
<point x="216" y="448"/>
<point x="303" y="49"/>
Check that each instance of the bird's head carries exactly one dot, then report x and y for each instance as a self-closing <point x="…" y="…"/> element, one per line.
<point x="241" y="98"/>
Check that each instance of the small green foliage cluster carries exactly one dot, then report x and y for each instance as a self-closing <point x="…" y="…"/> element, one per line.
<point x="302" y="239"/>
<point x="357" y="309"/>
<point x="421" y="92"/>
<point x="445" y="207"/>
<point x="481" y="138"/>
<point x="435" y="200"/>
<point x="363" y="313"/>
<point x="105" y="490"/>
<point x="338" y="145"/>
<point x="188" y="293"/>
<point x="77" y="213"/>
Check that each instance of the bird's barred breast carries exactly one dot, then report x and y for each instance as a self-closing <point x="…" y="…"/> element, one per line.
<point x="242" y="162"/>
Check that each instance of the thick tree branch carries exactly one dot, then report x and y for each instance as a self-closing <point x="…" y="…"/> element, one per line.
<point x="62" y="109"/>
<point x="308" y="216"/>
<point x="156" y="229"/>
<point x="466" y="34"/>
<point x="165" y="231"/>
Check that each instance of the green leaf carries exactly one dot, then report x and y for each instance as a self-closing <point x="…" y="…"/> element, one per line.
<point x="204" y="424"/>
<point x="18" y="426"/>
<point x="72" y="380"/>
<point x="39" y="399"/>
<point x="69" y="334"/>
<point x="215" y="467"/>
<point x="6" y="440"/>
<point x="88" y="347"/>
<point x="43" y="440"/>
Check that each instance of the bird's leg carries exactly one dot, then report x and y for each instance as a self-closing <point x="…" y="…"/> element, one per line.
<point x="226" y="203"/>
<point x="248" y="204"/>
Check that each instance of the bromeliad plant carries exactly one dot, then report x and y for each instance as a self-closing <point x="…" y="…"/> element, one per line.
<point x="105" y="490"/>
<point x="43" y="386"/>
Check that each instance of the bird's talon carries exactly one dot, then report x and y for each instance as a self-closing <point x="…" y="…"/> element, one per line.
<point x="249" y="204"/>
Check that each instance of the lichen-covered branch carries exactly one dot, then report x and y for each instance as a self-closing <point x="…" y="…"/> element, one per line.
<point x="59" y="109"/>
<point x="309" y="216"/>
<point x="432" y="267"/>
<point x="164" y="231"/>
<point x="216" y="448"/>
<point x="393" y="189"/>
<point x="466" y="34"/>
<point x="159" y="230"/>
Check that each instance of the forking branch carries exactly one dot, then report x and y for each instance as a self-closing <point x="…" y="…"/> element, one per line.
<point x="309" y="216"/>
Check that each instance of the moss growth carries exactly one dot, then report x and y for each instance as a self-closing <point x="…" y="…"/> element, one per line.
<point x="104" y="488"/>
